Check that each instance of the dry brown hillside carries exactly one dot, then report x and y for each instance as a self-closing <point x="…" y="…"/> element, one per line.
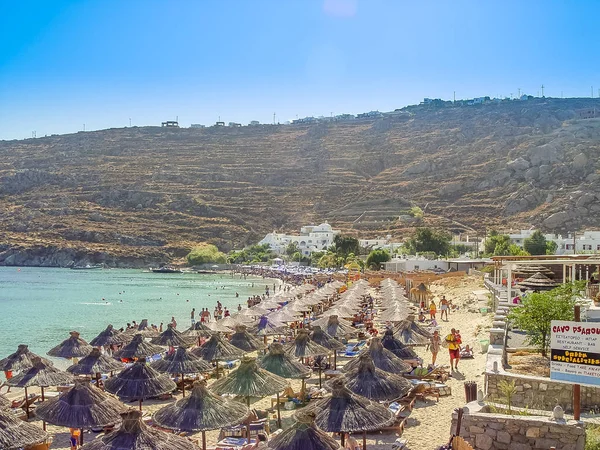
<point x="135" y="196"/>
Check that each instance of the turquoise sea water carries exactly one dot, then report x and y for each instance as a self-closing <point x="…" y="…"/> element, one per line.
<point x="39" y="306"/>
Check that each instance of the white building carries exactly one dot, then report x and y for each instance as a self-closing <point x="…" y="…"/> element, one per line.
<point x="380" y="243"/>
<point x="311" y="238"/>
<point x="588" y="242"/>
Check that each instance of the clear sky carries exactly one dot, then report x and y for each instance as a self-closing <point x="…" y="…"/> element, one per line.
<point x="66" y="63"/>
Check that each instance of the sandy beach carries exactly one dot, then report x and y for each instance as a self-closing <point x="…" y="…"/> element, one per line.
<point x="429" y="423"/>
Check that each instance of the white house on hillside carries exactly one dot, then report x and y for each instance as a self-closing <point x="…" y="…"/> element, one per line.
<point x="311" y="238"/>
<point x="587" y="242"/>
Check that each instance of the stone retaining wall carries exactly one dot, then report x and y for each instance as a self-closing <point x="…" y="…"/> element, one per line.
<point x="486" y="431"/>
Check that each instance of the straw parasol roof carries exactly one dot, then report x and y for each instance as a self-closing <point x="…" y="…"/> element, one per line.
<point x="410" y="333"/>
<point x="525" y="269"/>
<point x="73" y="347"/>
<point x="110" y="336"/>
<point x="382" y="358"/>
<point x="181" y="361"/>
<point x="138" y="348"/>
<point x="201" y="411"/>
<point x="133" y="434"/>
<point x="199" y="329"/>
<point x="171" y="338"/>
<point x="145" y="330"/>
<point x="19" y="360"/>
<point x="395" y="346"/>
<point x="278" y="362"/>
<point x="95" y="363"/>
<point x="4" y="402"/>
<point x="82" y="406"/>
<point x="304" y="435"/>
<point x="538" y="281"/>
<point x="245" y="341"/>
<point x="217" y="349"/>
<point x="304" y="347"/>
<point x="218" y="327"/>
<point x="43" y="373"/>
<point x="139" y="381"/>
<point x="324" y="340"/>
<point x="16" y="433"/>
<point x="375" y="384"/>
<point x="347" y="412"/>
<point x="334" y="327"/>
<point x="268" y="326"/>
<point x="249" y="380"/>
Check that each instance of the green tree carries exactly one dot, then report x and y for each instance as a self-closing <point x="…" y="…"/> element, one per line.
<point x="497" y="244"/>
<point x="535" y="244"/>
<point x="206" y="253"/>
<point x="292" y="248"/>
<point x="515" y="250"/>
<point x="344" y="245"/>
<point x="328" y="260"/>
<point x="253" y="254"/>
<point x="551" y="247"/>
<point x="416" y="212"/>
<point x="377" y="257"/>
<point x="315" y="257"/>
<point x="429" y="240"/>
<point x="538" y="310"/>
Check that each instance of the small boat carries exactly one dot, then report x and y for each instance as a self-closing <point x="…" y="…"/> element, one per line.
<point x="87" y="267"/>
<point x="167" y="269"/>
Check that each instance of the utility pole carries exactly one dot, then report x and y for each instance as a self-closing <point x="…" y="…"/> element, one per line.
<point x="273" y="118"/>
<point x="84" y="127"/>
<point x="542" y="90"/>
<point x="130" y="122"/>
<point x="454" y="97"/>
<point x="577" y="387"/>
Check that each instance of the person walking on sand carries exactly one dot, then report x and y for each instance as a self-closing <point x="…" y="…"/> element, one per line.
<point x="432" y="310"/>
<point x="444" y="308"/>
<point x="453" y="349"/>
<point x="74" y="438"/>
<point x="193" y="314"/>
<point x="173" y="322"/>
<point x="434" y="346"/>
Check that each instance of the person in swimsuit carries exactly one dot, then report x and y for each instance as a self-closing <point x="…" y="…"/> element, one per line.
<point x="434" y="346"/>
<point x="75" y="434"/>
<point x="444" y="308"/>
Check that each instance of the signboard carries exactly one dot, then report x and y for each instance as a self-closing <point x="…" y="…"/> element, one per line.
<point x="575" y="352"/>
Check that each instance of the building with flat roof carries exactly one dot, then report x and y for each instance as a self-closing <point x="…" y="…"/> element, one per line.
<point x="311" y="238"/>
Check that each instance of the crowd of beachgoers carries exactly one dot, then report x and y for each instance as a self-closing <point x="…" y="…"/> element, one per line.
<point x="310" y="339"/>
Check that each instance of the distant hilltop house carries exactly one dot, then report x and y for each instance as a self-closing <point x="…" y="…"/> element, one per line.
<point x="368" y="115"/>
<point x="588" y="113"/>
<point x="587" y="242"/>
<point x="254" y="123"/>
<point x="305" y="120"/>
<point x="220" y="124"/>
<point x="170" y="124"/>
<point x="311" y="239"/>
<point x="234" y="124"/>
<point x="197" y="125"/>
<point x="380" y="243"/>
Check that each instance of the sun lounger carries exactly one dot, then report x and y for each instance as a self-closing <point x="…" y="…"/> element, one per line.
<point x="353" y="350"/>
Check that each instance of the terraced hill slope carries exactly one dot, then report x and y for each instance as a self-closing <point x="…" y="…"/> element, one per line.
<point x="137" y="196"/>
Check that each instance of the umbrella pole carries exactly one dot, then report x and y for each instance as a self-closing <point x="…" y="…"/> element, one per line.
<point x="248" y="425"/>
<point x="98" y="379"/>
<point x="343" y="439"/>
<point x="43" y="399"/>
<point x="217" y="372"/>
<point x="335" y="360"/>
<point x="182" y="385"/>
<point x="364" y="440"/>
<point x="81" y="437"/>
<point x="319" y="376"/>
<point x="278" y="412"/>
<point x="140" y="404"/>
<point x="26" y="404"/>
<point x="204" y="440"/>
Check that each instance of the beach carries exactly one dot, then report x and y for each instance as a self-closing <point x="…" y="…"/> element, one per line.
<point x="429" y="423"/>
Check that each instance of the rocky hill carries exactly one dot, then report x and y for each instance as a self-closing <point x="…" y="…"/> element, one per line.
<point x="137" y="196"/>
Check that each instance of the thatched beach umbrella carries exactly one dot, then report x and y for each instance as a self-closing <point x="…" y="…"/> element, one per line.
<point x="4" y="402"/>
<point x="304" y="435"/>
<point x="538" y="281"/>
<point x="218" y="327"/>
<point x="17" y="434"/>
<point x="245" y="341"/>
<point x="201" y="411"/>
<point x="138" y="382"/>
<point x="375" y="384"/>
<point x="197" y="331"/>
<point x="171" y="338"/>
<point x="82" y="406"/>
<point x="138" y="348"/>
<point x="267" y="326"/>
<point x="181" y="362"/>
<point x="249" y="380"/>
<point x="42" y="374"/>
<point x="145" y="330"/>
<point x="110" y="336"/>
<point x="382" y="358"/>
<point x="395" y="346"/>
<point x="304" y="347"/>
<point x="346" y="412"/>
<point x="278" y="362"/>
<point x="19" y="360"/>
<point x="335" y="327"/>
<point x="323" y="339"/>
<point x="73" y="347"/>
<point x="410" y="333"/>
<point x="134" y="434"/>
<point x="95" y="364"/>
<point x="529" y="270"/>
<point x="218" y="349"/>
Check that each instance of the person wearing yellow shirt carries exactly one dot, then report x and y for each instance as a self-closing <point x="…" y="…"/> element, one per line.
<point x="453" y="349"/>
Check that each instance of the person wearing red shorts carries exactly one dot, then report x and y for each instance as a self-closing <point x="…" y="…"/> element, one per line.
<point x="453" y="349"/>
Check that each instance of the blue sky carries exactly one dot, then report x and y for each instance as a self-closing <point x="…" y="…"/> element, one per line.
<point x="66" y="63"/>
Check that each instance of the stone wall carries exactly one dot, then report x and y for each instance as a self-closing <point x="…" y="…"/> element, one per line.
<point x="486" y="431"/>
